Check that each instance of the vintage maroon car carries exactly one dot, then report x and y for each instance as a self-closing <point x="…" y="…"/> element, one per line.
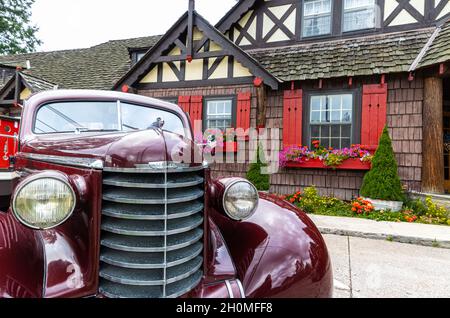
<point x="99" y="207"/>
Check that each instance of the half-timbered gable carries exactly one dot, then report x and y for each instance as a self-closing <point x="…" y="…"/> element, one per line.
<point x="19" y="88"/>
<point x="193" y="53"/>
<point x="257" y="24"/>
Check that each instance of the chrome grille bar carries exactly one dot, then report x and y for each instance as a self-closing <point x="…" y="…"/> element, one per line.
<point x="152" y="227"/>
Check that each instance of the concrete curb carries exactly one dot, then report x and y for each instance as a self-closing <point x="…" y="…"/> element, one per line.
<point x="418" y="234"/>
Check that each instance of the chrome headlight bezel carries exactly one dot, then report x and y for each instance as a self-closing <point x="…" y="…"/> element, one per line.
<point x="40" y="177"/>
<point x="224" y="197"/>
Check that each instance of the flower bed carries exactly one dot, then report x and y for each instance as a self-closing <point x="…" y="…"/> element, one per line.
<point x="415" y="211"/>
<point x="356" y="157"/>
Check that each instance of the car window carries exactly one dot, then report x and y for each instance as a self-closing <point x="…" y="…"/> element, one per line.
<point x="78" y="117"/>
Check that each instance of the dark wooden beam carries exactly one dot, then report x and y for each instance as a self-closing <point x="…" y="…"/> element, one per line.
<point x="261" y="105"/>
<point x="200" y="55"/>
<point x="214" y="66"/>
<point x="433" y="139"/>
<point x="190" y="31"/>
<point x="17" y="88"/>
<point x="279" y="24"/>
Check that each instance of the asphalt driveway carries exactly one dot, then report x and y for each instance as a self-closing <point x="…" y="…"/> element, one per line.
<point x="378" y="268"/>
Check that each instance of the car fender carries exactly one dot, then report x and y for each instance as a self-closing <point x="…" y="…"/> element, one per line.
<point x="21" y="258"/>
<point x="278" y="251"/>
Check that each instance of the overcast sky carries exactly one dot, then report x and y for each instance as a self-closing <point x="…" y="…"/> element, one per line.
<point x="70" y="24"/>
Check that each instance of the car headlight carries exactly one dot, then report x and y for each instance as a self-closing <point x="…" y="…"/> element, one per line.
<point x="43" y="203"/>
<point x="240" y="200"/>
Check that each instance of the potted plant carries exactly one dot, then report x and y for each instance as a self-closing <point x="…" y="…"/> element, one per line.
<point x="260" y="181"/>
<point x="381" y="185"/>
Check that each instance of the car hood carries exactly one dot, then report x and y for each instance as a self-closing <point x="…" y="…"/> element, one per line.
<point x="124" y="150"/>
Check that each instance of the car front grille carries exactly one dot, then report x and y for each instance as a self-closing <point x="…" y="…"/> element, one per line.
<point x="151" y="232"/>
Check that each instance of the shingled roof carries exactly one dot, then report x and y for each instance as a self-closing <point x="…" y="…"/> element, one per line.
<point x="98" y="67"/>
<point x="439" y="50"/>
<point x="376" y="54"/>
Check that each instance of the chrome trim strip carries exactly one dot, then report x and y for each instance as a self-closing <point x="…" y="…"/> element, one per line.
<point x="125" y="184"/>
<point x="241" y="288"/>
<point x="7" y="176"/>
<point x="230" y="290"/>
<point x="71" y="161"/>
<point x="158" y="167"/>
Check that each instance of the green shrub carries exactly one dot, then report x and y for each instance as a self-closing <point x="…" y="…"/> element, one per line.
<point x="382" y="181"/>
<point x="254" y="175"/>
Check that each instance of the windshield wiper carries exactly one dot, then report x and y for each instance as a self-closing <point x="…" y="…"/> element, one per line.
<point x="79" y="130"/>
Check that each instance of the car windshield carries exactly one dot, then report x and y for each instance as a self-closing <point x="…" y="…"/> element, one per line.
<point x="79" y="117"/>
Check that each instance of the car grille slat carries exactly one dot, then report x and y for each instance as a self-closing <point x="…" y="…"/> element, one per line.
<point x="153" y="181"/>
<point x="152" y="230"/>
<point x="114" y="290"/>
<point x="151" y="212"/>
<point x="150" y="244"/>
<point x="150" y="260"/>
<point x="154" y="196"/>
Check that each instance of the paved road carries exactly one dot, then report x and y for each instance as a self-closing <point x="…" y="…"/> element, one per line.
<point x="377" y="268"/>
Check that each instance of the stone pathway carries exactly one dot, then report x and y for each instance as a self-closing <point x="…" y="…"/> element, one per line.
<point x="376" y="268"/>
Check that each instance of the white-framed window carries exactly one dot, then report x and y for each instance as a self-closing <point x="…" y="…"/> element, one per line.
<point x="331" y="120"/>
<point x="359" y="15"/>
<point x="317" y="16"/>
<point x="219" y="113"/>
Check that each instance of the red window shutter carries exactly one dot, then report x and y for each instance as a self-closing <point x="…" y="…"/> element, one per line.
<point x="196" y="112"/>
<point x="244" y="102"/>
<point x="373" y="118"/>
<point x="184" y="103"/>
<point x="292" y="117"/>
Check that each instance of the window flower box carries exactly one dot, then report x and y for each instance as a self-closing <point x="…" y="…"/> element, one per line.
<point x="357" y="157"/>
<point x="349" y="164"/>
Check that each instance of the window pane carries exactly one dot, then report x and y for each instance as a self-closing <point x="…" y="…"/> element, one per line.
<point x="316" y="102"/>
<point x="315" y="117"/>
<point x="346" y="131"/>
<point x="325" y="131"/>
<point x="317" y="26"/>
<point x="315" y="7"/>
<point x="315" y="132"/>
<point x="346" y="116"/>
<point x="347" y="101"/>
<point x="336" y="116"/>
<point x="353" y="4"/>
<point x="359" y="14"/>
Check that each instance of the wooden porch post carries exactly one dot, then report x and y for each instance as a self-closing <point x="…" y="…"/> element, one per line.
<point x="433" y="139"/>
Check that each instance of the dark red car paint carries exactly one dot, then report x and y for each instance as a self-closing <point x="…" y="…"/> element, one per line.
<point x="278" y="252"/>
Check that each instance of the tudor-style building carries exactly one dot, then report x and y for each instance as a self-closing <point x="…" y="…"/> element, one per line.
<point x="337" y="71"/>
